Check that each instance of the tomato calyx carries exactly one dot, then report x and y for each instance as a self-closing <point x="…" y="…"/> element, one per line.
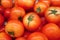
<point x="53" y="11"/>
<point x="38" y="10"/>
<point x="11" y="33"/>
<point x="30" y="18"/>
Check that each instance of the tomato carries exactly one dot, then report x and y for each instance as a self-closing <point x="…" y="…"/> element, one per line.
<point x="6" y="3"/>
<point x="20" y="38"/>
<point x="31" y="21"/>
<point x="2" y="29"/>
<point x="51" y="30"/>
<point x="14" y="28"/>
<point x="7" y="13"/>
<point x="52" y="14"/>
<point x="1" y="9"/>
<point x="48" y="2"/>
<point x="37" y="36"/>
<point x="55" y="2"/>
<point x="1" y="19"/>
<point x="40" y="7"/>
<point x="4" y="36"/>
<point x="17" y="12"/>
<point x="26" y="4"/>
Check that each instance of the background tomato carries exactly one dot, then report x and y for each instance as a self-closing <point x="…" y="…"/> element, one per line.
<point x="51" y="30"/>
<point x="37" y="36"/>
<point x="20" y="38"/>
<point x="31" y="21"/>
<point x="6" y="3"/>
<point x="1" y="9"/>
<point x="14" y="28"/>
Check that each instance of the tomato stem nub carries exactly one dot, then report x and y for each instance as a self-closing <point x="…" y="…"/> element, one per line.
<point x="38" y="10"/>
<point x="11" y="33"/>
<point x="30" y="18"/>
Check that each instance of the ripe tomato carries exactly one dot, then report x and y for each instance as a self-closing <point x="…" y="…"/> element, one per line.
<point x="55" y="2"/>
<point x="46" y="1"/>
<point x="7" y="13"/>
<point x="26" y="4"/>
<point x="4" y="36"/>
<point x="52" y="14"/>
<point x="37" y="36"/>
<point x="2" y="29"/>
<point x="1" y="9"/>
<point x="20" y="38"/>
<point x="31" y="21"/>
<point x="6" y="3"/>
<point x="14" y="28"/>
<point x="1" y="19"/>
<point x="51" y="30"/>
<point x="17" y="12"/>
<point x="40" y="7"/>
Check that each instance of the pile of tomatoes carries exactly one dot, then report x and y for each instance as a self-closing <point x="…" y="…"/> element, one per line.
<point x="29" y="19"/>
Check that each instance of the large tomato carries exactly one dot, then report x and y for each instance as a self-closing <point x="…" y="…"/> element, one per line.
<point x="6" y="3"/>
<point x="20" y="38"/>
<point x="37" y="36"/>
<point x="55" y="2"/>
<point x="51" y="30"/>
<point x="52" y="14"/>
<point x="17" y="12"/>
<point x="4" y="36"/>
<point x="26" y="4"/>
<point x="1" y="19"/>
<point x="40" y="8"/>
<point x="14" y="28"/>
<point x="31" y="21"/>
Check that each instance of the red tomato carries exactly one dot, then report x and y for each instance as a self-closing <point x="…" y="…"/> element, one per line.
<point x="6" y="3"/>
<point x="37" y="36"/>
<point x="52" y="14"/>
<point x="31" y="21"/>
<point x="4" y="36"/>
<point x="2" y="29"/>
<point x="17" y="12"/>
<point x="26" y="4"/>
<point x="51" y="30"/>
<point x="55" y="2"/>
<point x="1" y="19"/>
<point x="20" y="38"/>
<point x="14" y="28"/>
<point x="7" y="13"/>
<point x="40" y="8"/>
<point x="1" y="9"/>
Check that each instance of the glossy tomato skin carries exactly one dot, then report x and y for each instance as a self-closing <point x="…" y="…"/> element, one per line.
<point x="17" y="12"/>
<point x="51" y="30"/>
<point x="40" y="8"/>
<point x="52" y="14"/>
<point x="14" y="28"/>
<point x="4" y="36"/>
<point x="1" y="19"/>
<point x="20" y="38"/>
<point x="26" y="4"/>
<point x="1" y="9"/>
<point x="7" y="13"/>
<point x="31" y="21"/>
<point x="6" y="3"/>
<point x="55" y="2"/>
<point x="37" y="36"/>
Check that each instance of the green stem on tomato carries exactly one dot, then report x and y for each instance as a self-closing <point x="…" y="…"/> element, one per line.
<point x="38" y="10"/>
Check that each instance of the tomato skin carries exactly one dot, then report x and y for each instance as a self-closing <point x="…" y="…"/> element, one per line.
<point x="40" y="8"/>
<point x="37" y="36"/>
<point x="51" y="30"/>
<point x="26" y="4"/>
<point x="55" y="2"/>
<point x="31" y="21"/>
<point x="17" y="12"/>
<point x="1" y="19"/>
<point x="1" y="9"/>
<point x="7" y="13"/>
<point x="20" y="38"/>
<point x="4" y="36"/>
<point x="14" y="28"/>
<point x="52" y="14"/>
<point x="6" y="3"/>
